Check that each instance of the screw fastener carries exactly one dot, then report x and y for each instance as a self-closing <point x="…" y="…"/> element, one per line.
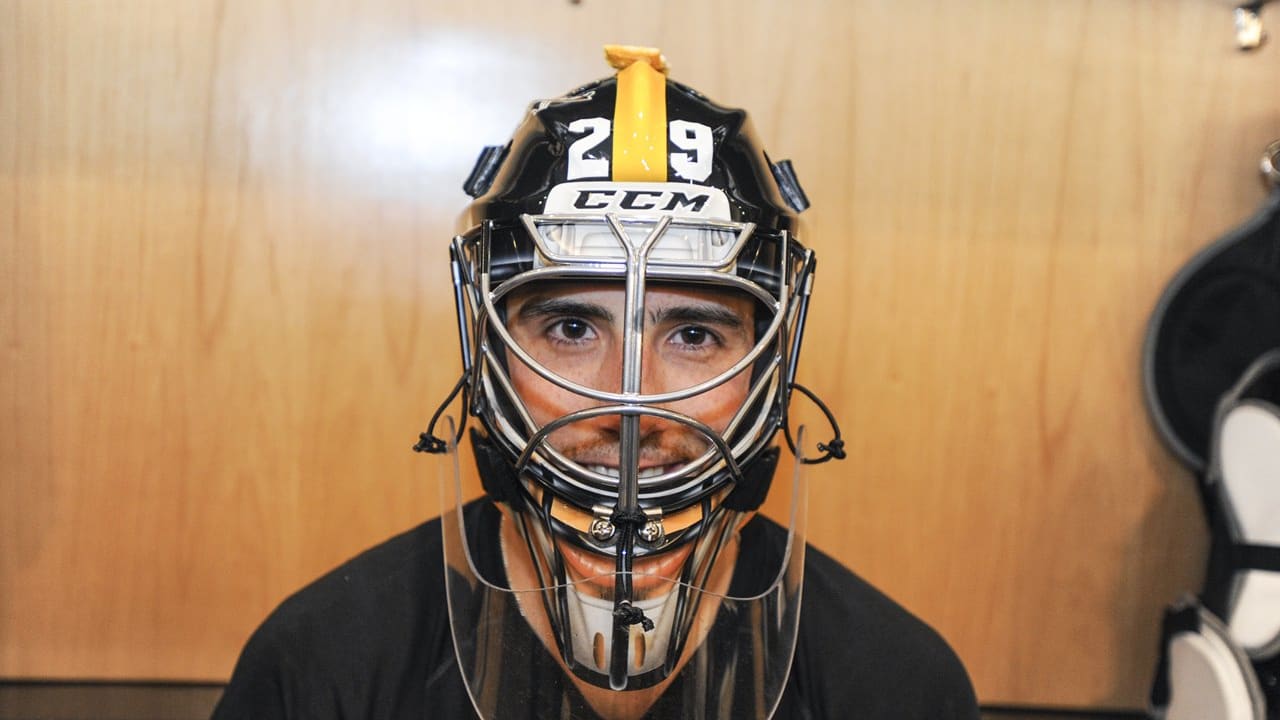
<point x="602" y="529"/>
<point x="651" y="532"/>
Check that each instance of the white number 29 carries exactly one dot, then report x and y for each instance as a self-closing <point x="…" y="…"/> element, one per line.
<point x="695" y="139"/>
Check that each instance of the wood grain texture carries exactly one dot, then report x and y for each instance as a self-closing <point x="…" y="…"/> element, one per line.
<point x="225" y="314"/>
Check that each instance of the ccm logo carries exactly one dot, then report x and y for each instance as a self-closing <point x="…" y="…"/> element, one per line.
<point x="663" y="200"/>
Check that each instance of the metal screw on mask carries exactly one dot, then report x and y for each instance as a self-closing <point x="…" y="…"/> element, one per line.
<point x="651" y="531"/>
<point x="602" y="529"/>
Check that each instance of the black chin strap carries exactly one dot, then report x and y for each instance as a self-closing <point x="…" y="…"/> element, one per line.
<point x="1255" y="557"/>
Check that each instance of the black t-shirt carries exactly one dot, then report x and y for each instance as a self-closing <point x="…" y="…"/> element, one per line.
<point x="371" y="640"/>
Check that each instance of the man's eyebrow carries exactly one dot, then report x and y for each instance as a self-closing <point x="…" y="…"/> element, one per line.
<point x="708" y="314"/>
<point x="544" y="307"/>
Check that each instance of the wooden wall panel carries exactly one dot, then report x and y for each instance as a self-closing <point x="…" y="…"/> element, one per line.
<point x="224" y="311"/>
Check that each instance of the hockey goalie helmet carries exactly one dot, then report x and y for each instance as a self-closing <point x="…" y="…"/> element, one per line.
<point x="631" y="302"/>
<point x="643" y="185"/>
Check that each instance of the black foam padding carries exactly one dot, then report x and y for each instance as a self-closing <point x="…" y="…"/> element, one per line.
<point x="497" y="476"/>
<point x="757" y="476"/>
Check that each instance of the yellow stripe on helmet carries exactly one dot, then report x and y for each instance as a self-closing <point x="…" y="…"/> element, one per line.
<point x="639" y="114"/>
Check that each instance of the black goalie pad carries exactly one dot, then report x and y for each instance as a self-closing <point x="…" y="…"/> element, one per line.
<point x="1219" y="313"/>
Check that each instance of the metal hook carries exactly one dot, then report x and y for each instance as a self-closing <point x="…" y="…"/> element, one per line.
<point x="1270" y="163"/>
<point x="1249" y="32"/>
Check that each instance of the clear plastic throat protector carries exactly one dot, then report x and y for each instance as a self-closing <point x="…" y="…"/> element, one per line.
<point x="630" y="369"/>
<point x="722" y="618"/>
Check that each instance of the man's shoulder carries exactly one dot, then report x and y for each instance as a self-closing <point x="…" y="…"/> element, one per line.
<point x="394" y="570"/>
<point x="835" y="596"/>
<point x="368" y="638"/>
<point x="861" y="646"/>
<point x="365" y="605"/>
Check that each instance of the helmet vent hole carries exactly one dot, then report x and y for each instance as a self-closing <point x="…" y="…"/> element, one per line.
<point x="597" y="648"/>
<point x="640" y="645"/>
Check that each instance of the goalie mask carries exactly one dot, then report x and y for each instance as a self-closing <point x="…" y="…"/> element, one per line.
<point x="631" y="302"/>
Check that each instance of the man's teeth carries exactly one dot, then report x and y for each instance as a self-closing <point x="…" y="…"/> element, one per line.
<point x="613" y="472"/>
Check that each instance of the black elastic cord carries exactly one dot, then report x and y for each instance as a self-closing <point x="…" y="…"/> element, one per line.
<point x="627" y="614"/>
<point x="833" y="449"/>
<point x="427" y="441"/>
<point x="635" y="518"/>
<point x="624" y="613"/>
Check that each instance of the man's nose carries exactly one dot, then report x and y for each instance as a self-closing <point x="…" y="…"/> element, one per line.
<point x="611" y="375"/>
<point x="649" y="425"/>
<point x="654" y="379"/>
<point x="610" y="425"/>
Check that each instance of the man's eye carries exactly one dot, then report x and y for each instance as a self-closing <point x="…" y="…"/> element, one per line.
<point x="571" y="329"/>
<point x="695" y="336"/>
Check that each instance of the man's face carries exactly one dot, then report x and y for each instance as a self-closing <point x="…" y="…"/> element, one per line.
<point x="690" y="335"/>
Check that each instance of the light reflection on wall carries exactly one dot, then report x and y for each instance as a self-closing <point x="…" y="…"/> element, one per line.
<point x="414" y="111"/>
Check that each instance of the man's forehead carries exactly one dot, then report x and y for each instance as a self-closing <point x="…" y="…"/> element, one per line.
<point x="608" y="293"/>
